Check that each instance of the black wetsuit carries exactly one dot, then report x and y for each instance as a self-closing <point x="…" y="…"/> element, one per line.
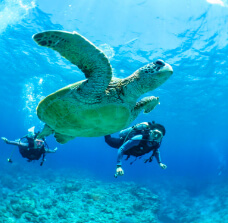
<point x="136" y="146"/>
<point x="31" y="153"/>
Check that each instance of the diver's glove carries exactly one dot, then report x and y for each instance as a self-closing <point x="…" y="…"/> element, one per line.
<point x="163" y="166"/>
<point x="5" y="139"/>
<point x="55" y="149"/>
<point x="119" y="171"/>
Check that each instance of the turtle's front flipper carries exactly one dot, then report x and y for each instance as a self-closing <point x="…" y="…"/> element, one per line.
<point x="147" y="103"/>
<point x="81" y="52"/>
<point x="46" y="131"/>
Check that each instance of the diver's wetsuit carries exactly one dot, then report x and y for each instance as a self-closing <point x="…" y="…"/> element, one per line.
<point x="136" y="146"/>
<point x="31" y="153"/>
<point x="114" y="142"/>
<point x="27" y="150"/>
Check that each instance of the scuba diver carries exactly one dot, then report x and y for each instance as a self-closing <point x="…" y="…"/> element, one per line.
<point x="30" y="147"/>
<point x="137" y="141"/>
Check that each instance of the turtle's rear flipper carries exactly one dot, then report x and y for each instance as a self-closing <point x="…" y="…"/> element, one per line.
<point x="45" y="132"/>
<point x="60" y="138"/>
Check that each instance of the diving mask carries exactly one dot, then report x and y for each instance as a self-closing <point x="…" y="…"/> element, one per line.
<point x="156" y="135"/>
<point x="38" y="143"/>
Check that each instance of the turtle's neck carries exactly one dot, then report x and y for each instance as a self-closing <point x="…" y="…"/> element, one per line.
<point x="146" y="79"/>
<point x="137" y="86"/>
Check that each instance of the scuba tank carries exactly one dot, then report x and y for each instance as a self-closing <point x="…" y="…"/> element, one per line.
<point x="31" y="132"/>
<point x="130" y="132"/>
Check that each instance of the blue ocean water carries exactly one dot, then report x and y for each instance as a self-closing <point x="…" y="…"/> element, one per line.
<point x="191" y="36"/>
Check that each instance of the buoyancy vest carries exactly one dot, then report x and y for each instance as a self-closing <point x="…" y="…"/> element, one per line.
<point x="145" y="145"/>
<point x="143" y="148"/>
<point x="30" y="152"/>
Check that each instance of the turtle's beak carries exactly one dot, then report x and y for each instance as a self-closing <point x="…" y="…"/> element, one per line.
<point x="168" y="68"/>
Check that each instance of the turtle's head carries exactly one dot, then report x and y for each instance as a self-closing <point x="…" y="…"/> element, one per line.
<point x="155" y="74"/>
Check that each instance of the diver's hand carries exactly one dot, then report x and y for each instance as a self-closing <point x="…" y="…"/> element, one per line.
<point x="5" y="139"/>
<point x="55" y="149"/>
<point x="119" y="172"/>
<point x="163" y="166"/>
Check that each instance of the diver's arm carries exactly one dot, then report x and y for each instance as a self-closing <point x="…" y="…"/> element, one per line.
<point x="126" y="146"/>
<point x="158" y="158"/>
<point x="50" y="151"/>
<point x="16" y="143"/>
<point x="113" y="142"/>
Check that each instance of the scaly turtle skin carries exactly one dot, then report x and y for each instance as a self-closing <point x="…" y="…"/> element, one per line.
<point x="101" y="104"/>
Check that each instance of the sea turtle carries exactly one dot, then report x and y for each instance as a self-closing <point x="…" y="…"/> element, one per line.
<point x="101" y="104"/>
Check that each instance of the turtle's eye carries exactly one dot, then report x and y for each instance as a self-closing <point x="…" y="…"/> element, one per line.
<point x="160" y="63"/>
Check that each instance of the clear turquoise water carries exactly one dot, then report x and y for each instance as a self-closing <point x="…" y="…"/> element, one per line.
<point x="192" y="36"/>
